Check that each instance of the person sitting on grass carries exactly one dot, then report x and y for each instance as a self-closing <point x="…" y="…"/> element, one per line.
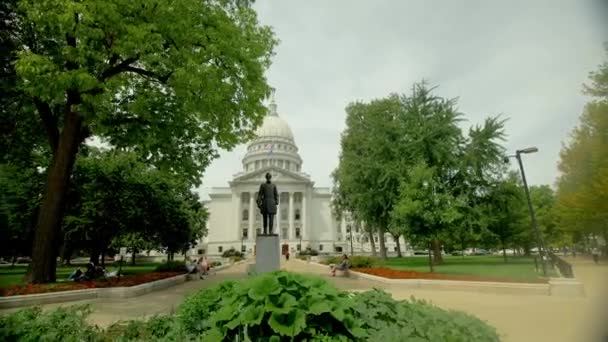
<point x="343" y="266"/>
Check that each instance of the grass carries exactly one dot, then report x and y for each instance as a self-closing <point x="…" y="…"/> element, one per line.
<point x="517" y="268"/>
<point x="15" y="275"/>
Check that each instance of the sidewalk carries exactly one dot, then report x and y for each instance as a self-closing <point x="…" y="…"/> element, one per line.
<point x="107" y="311"/>
<point x="518" y="318"/>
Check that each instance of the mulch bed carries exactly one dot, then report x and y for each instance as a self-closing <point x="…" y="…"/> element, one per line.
<point x="404" y="274"/>
<point x="126" y="281"/>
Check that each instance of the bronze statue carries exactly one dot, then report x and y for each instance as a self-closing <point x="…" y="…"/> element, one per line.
<point x="268" y="200"/>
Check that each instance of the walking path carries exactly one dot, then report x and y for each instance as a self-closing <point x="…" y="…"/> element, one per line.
<point x="518" y="318"/>
<point x="110" y="310"/>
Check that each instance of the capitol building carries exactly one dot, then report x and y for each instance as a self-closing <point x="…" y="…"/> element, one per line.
<point x="304" y="216"/>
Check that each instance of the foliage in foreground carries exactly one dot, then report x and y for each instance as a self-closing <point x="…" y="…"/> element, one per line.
<point x="273" y="307"/>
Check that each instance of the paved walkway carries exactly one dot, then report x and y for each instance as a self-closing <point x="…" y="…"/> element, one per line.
<point x="518" y="318"/>
<point x="110" y="310"/>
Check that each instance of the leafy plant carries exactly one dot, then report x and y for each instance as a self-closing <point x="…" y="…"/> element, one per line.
<point x="274" y="306"/>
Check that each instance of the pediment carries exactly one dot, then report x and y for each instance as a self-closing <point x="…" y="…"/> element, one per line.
<point x="279" y="176"/>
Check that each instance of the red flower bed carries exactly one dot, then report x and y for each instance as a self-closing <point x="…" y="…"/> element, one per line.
<point x="404" y="274"/>
<point x="130" y="280"/>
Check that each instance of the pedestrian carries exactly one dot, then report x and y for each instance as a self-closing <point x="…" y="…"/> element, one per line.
<point x="596" y="255"/>
<point x="287" y="256"/>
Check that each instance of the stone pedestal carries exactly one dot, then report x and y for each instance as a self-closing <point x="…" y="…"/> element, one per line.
<point x="267" y="253"/>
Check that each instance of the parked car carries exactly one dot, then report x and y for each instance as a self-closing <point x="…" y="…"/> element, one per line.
<point x="481" y="252"/>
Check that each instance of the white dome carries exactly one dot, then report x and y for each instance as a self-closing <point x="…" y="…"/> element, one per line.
<point x="274" y="127"/>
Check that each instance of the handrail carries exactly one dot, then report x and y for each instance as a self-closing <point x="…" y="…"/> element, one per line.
<point x="564" y="267"/>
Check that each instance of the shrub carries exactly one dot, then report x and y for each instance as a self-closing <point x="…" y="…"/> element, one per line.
<point x="62" y="324"/>
<point x="236" y="258"/>
<point x="277" y="305"/>
<point x="171" y="266"/>
<point x="232" y="253"/>
<point x="386" y="319"/>
<point x="215" y="263"/>
<point x="309" y="251"/>
<point x="358" y="261"/>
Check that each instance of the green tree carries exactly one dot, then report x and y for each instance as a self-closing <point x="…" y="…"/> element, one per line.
<point x="582" y="186"/>
<point x="170" y="81"/>
<point x="506" y="212"/>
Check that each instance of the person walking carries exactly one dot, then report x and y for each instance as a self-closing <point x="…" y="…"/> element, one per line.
<point x="596" y="255"/>
<point x="267" y="201"/>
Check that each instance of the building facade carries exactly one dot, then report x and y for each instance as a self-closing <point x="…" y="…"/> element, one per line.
<point x="304" y="217"/>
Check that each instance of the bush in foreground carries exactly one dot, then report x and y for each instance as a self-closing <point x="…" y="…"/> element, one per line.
<point x="171" y="266"/>
<point x="279" y="306"/>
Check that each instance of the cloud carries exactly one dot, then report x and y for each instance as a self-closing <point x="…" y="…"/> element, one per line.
<point x="526" y="60"/>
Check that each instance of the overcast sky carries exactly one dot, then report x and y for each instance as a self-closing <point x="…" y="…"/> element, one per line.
<point x="526" y="60"/>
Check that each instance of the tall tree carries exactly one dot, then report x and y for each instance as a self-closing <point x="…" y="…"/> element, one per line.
<point x="172" y="81"/>
<point x="582" y="187"/>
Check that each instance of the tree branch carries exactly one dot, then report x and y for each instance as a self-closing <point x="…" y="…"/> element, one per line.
<point x="117" y="69"/>
<point x="143" y="72"/>
<point x="49" y="121"/>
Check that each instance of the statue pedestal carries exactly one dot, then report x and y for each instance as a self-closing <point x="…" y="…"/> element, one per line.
<point x="267" y="253"/>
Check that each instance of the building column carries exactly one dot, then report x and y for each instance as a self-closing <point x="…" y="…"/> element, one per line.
<point x="303" y="228"/>
<point x="239" y="216"/>
<point x="290" y="233"/>
<point x="251" y="216"/>
<point x="277" y="217"/>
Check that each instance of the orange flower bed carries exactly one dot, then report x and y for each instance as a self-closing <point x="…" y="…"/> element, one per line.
<point x="126" y="281"/>
<point x="405" y="274"/>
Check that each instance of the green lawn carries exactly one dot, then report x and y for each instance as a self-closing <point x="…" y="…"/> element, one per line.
<point x="517" y="268"/>
<point x="14" y="275"/>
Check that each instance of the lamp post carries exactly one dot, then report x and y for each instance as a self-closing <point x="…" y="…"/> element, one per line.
<point x="539" y="237"/>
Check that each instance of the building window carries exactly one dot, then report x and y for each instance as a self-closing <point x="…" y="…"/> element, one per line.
<point x="356" y="228"/>
<point x="245" y="215"/>
<point x="258" y="231"/>
<point x="297" y="215"/>
<point x="287" y="165"/>
<point x="395" y="248"/>
<point x="220" y="249"/>
<point x="245" y="233"/>
<point x="375" y="239"/>
<point x="348" y="228"/>
<point x="284" y="233"/>
<point x="257" y="164"/>
<point x="338" y="249"/>
<point x="320" y="248"/>
<point x="284" y="214"/>
<point x="297" y="233"/>
<point x="200" y="251"/>
<point x="243" y="249"/>
<point x="281" y="164"/>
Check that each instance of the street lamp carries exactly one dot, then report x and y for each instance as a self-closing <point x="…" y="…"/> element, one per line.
<point x="539" y="237"/>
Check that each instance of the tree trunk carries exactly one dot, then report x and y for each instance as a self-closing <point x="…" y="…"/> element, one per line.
<point x="133" y="258"/>
<point x="382" y="244"/>
<point x="94" y="256"/>
<point x="372" y="243"/>
<point x="437" y="257"/>
<point x="399" y="255"/>
<point x="48" y="227"/>
<point x="430" y="258"/>
<point x="103" y="259"/>
<point x="504" y="252"/>
<point x="14" y="260"/>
